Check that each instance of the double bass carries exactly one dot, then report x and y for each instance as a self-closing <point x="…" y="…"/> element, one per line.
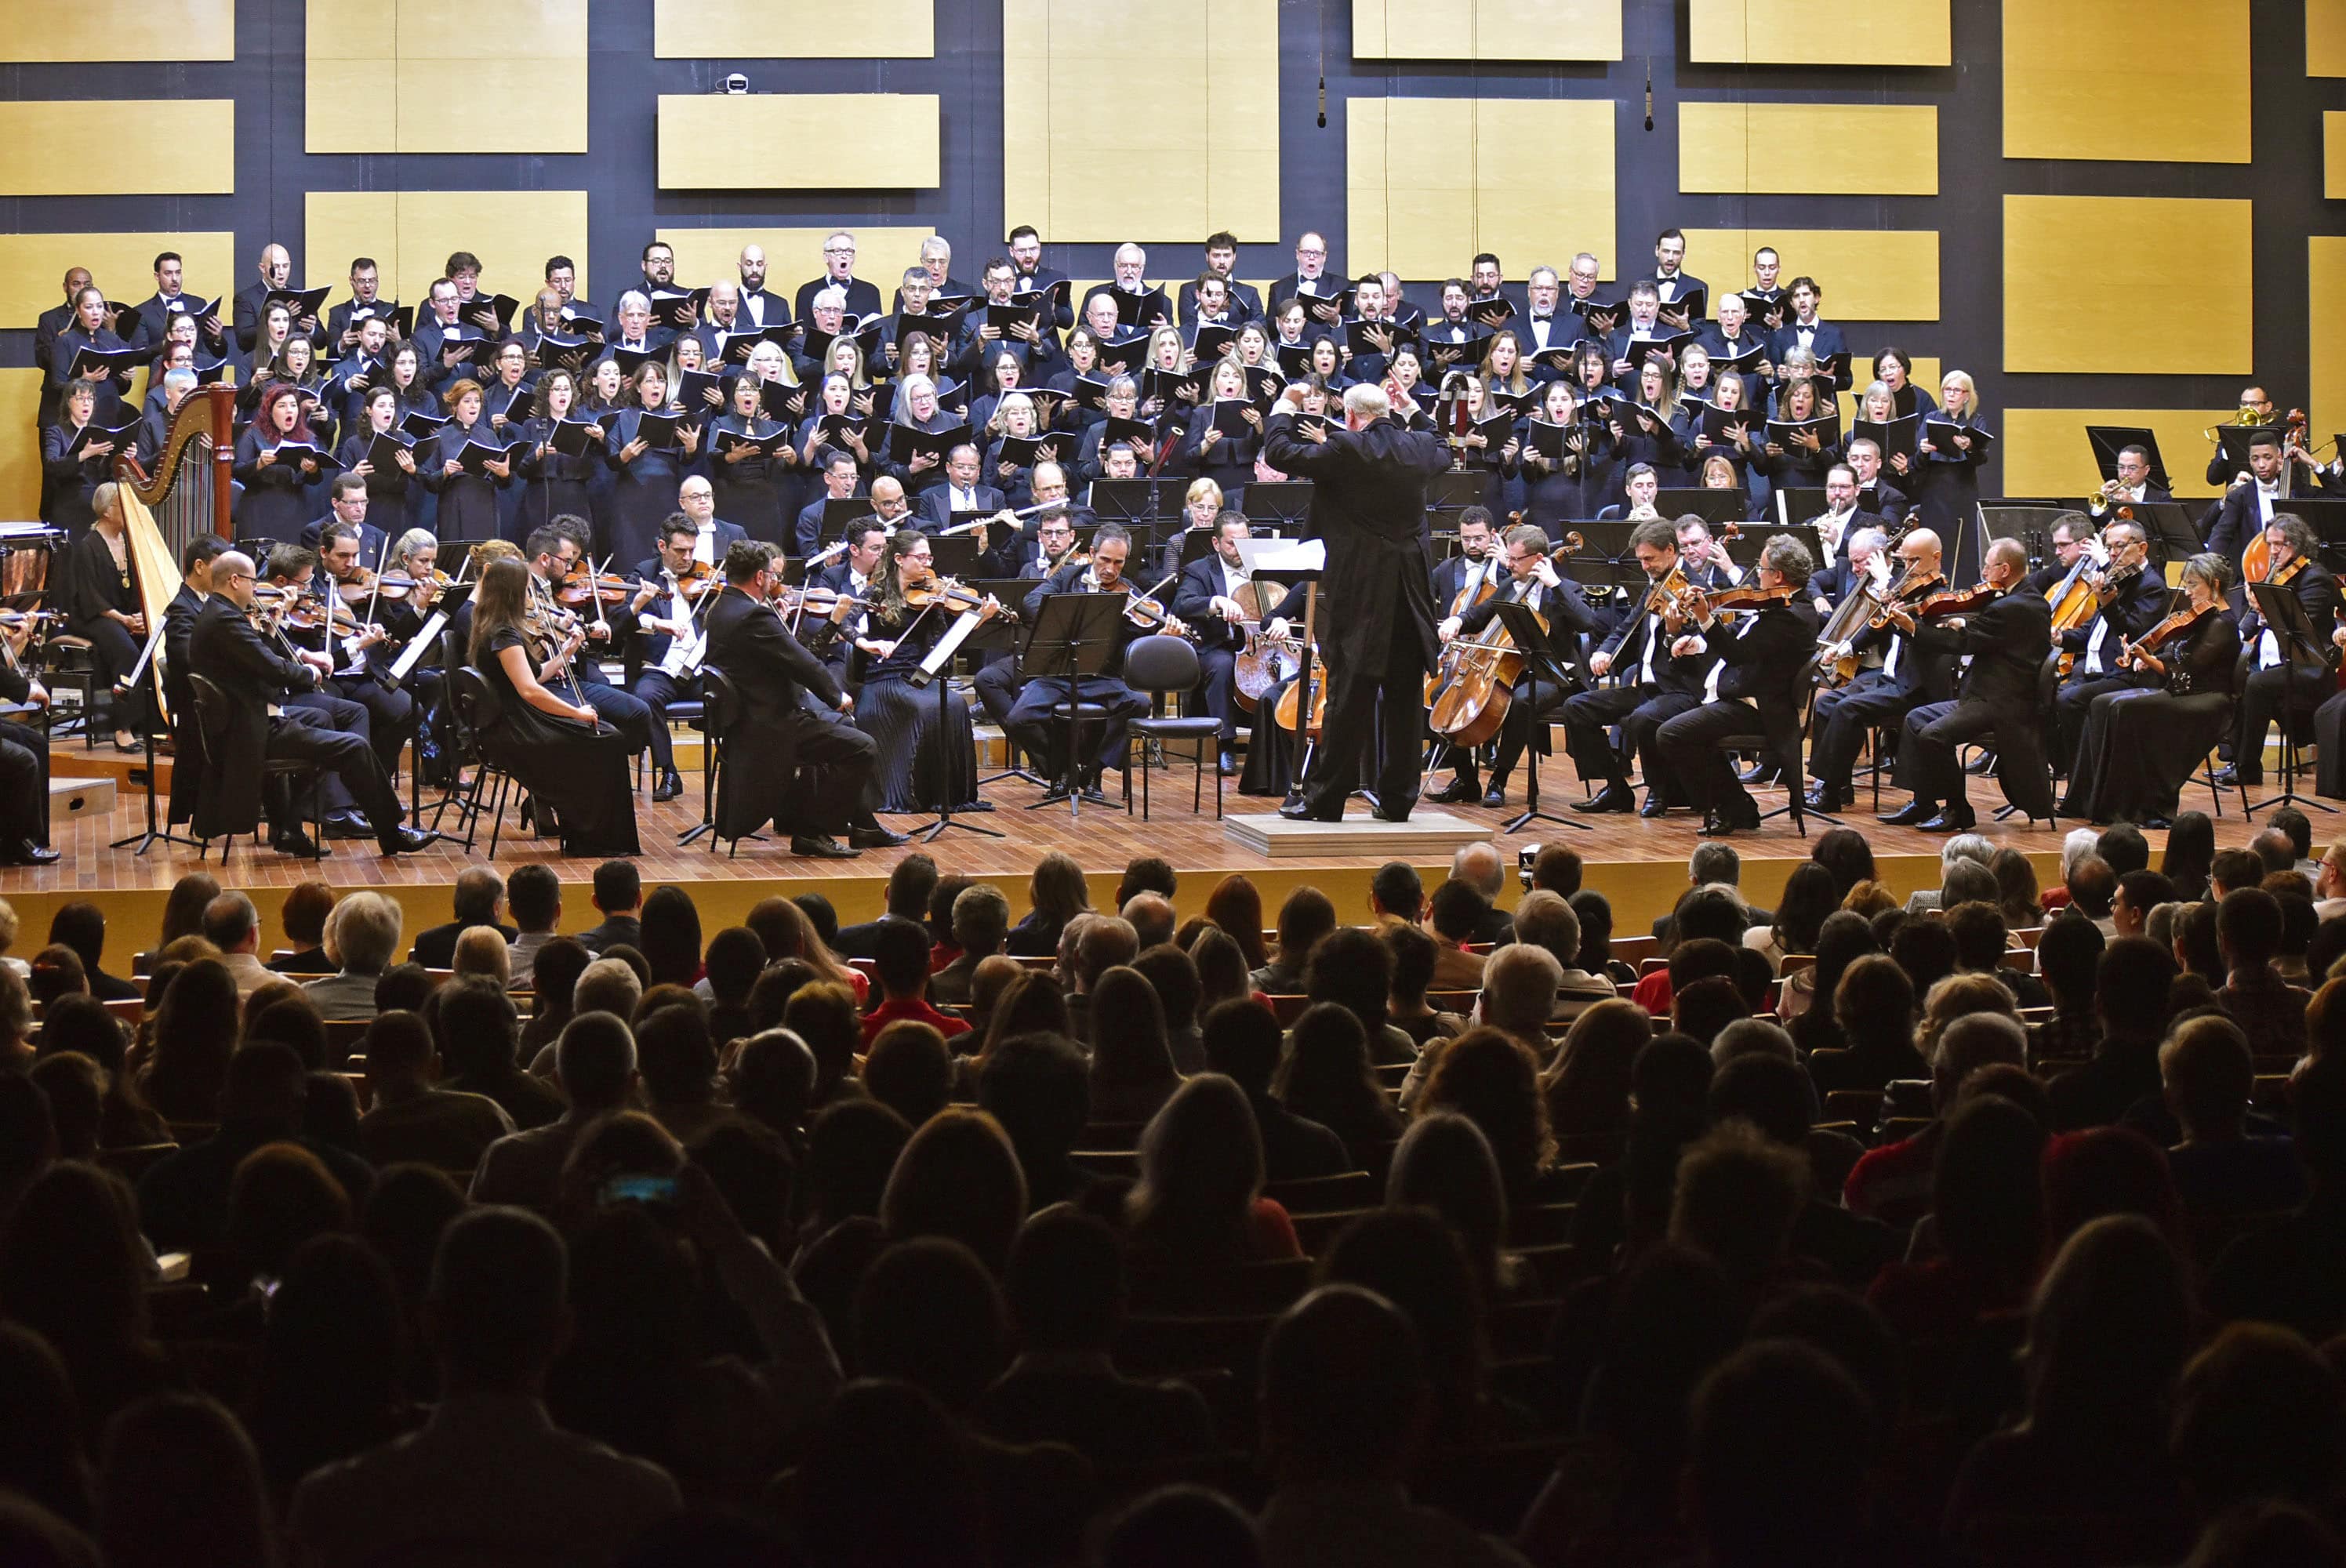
<point x="1470" y="694"/>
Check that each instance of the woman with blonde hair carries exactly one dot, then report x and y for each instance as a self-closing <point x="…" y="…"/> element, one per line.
<point x="1945" y="487"/>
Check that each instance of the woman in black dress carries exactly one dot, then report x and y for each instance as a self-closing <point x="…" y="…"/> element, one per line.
<point x="928" y="750"/>
<point x="749" y="484"/>
<point x="1226" y="458"/>
<point x="648" y="476"/>
<point x="2142" y="744"/>
<point x="553" y="485"/>
<point x="74" y="476"/>
<point x="468" y="501"/>
<point x="402" y="613"/>
<point x="1946" y="487"/>
<point x="88" y="330"/>
<point x="275" y="502"/>
<point x="397" y="502"/>
<point x="574" y="766"/>
<point x="101" y="604"/>
<point x="1574" y="482"/>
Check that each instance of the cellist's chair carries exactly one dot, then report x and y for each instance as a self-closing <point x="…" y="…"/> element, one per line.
<point x="1159" y="665"/>
<point x="211" y="708"/>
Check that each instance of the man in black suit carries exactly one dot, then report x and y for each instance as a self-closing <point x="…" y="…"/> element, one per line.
<point x="1476" y="564"/>
<point x="1377" y="626"/>
<point x="618" y="896"/>
<point x="1841" y="518"/>
<point x="2281" y="685"/>
<point x="863" y="299"/>
<point x="1752" y="685"/>
<point x="1222" y="261"/>
<point x="775" y="733"/>
<point x="276" y="267"/>
<point x="958" y="492"/>
<point x="366" y="294"/>
<point x="477" y="899"/>
<point x="24" y="762"/>
<point x="154" y="317"/>
<point x="839" y="478"/>
<point x="2138" y="600"/>
<point x="1673" y="285"/>
<point x="2132" y="483"/>
<point x="761" y="306"/>
<point x="1319" y="289"/>
<point x="663" y="657"/>
<point x="178" y="627"/>
<point x="1805" y="329"/>
<point x="1208" y="598"/>
<point x="1030" y="720"/>
<point x="1911" y="673"/>
<point x="2006" y="640"/>
<point x="1034" y="278"/>
<point x="1032" y="550"/>
<point x="1654" y="686"/>
<point x="1131" y="291"/>
<point x="1875" y="494"/>
<point x="1532" y="582"/>
<point x="51" y="325"/>
<point x="2248" y="506"/>
<point x="251" y="680"/>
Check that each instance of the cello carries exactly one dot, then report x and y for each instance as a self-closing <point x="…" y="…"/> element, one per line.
<point x="1475" y="686"/>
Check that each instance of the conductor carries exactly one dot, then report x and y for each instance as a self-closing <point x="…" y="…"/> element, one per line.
<point x="1377" y="626"/>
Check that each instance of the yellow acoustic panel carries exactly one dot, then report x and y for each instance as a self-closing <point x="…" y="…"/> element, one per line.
<point x="763" y="141"/>
<point x="2185" y="65"/>
<point x="410" y="233"/>
<point x="1885" y="149"/>
<point x="124" y="30"/>
<point x="1487" y="29"/>
<point x="794" y="29"/>
<point x="2078" y="268"/>
<point x="1196" y="140"/>
<point x="2334" y="154"/>
<point x="186" y="147"/>
<point x="2325" y="293"/>
<point x="1867" y="274"/>
<point x="1431" y="180"/>
<point x="706" y="256"/>
<point x="1794" y="32"/>
<point x="33" y="267"/>
<point x="2045" y="453"/>
<point x="409" y="76"/>
<point x="20" y="458"/>
<point x="2325" y="37"/>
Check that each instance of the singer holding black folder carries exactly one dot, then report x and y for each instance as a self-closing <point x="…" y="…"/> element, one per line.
<point x="1376" y="624"/>
<point x="76" y="457"/>
<point x="467" y="488"/>
<point x="651" y="448"/>
<point x="276" y="461"/>
<point x="560" y="466"/>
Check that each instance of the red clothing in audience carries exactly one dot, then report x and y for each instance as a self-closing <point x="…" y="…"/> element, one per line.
<point x="918" y="1010"/>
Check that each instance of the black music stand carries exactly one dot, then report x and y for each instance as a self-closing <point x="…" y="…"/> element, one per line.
<point x="2300" y="645"/>
<point x="942" y="657"/>
<point x="1713" y="506"/>
<point x="2108" y="439"/>
<point x="150" y="668"/>
<point x="1012" y="592"/>
<point x="1286" y="503"/>
<point x="1074" y="635"/>
<point x="2168" y="527"/>
<point x="1136" y="502"/>
<point x="1539" y="659"/>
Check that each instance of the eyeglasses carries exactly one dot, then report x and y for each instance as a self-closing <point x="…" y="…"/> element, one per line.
<point x="240" y="577"/>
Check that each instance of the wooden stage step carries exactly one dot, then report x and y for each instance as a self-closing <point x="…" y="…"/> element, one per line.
<point x="1427" y="835"/>
<point x="80" y="797"/>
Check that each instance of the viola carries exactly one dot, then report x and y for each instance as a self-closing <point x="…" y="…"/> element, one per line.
<point x="581" y="586"/>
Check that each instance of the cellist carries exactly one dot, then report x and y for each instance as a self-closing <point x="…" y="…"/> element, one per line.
<point x="1532" y="582"/>
<point x="2128" y="600"/>
<point x="1459" y="582"/>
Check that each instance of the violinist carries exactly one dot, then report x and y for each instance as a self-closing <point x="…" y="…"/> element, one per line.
<point x="1219" y="596"/>
<point x="1996" y="697"/>
<point x="2281" y="685"/>
<point x="292" y="571"/>
<point x="2142" y="742"/>
<point x="362" y="648"/>
<point x="663" y="657"/>
<point x="23" y="760"/>
<point x="1532" y="582"/>
<point x="927" y="752"/>
<point x="2130" y="599"/>
<point x="1751" y="683"/>
<point x="413" y="591"/>
<point x="1649" y="685"/>
<point x="1703" y="559"/>
<point x="1911" y="672"/>
<point x="1030" y="722"/>
<point x="557" y="552"/>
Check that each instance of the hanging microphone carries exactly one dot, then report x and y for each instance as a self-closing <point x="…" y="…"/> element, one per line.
<point x="1649" y="95"/>
<point x="1323" y="102"/>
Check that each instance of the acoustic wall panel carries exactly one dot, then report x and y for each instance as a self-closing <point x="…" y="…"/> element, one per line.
<point x="20" y="458"/>
<point x="185" y="147"/>
<point x="2325" y="292"/>
<point x="761" y="141"/>
<point x="1195" y="147"/>
<point x="2045" y="453"/>
<point x="793" y="29"/>
<point x="2185" y="74"/>
<point x="1867" y="274"/>
<point x="1507" y="30"/>
<point x="1879" y="149"/>
<point x="410" y="76"/>
<point x="33" y="267"/>
<point x="410" y="233"/>
<point x="2078" y="268"/>
<point x="124" y="30"/>
<point x="2325" y="37"/>
<point x="2334" y="154"/>
<point x="1819" y="32"/>
<point x="704" y="255"/>
<point x="1409" y="209"/>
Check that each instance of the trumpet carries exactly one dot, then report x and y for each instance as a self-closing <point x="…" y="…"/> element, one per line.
<point x="2248" y="416"/>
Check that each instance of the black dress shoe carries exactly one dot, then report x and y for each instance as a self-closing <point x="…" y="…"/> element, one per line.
<point x="668" y="786"/>
<point x="1225" y="764"/>
<point x="974" y="806"/>
<point x="1495" y="795"/>
<point x="876" y="837"/>
<point x="1764" y="773"/>
<point x="1953" y="819"/>
<point x="2156" y="824"/>
<point x="1655" y="806"/>
<point x="1462" y="790"/>
<point x="1301" y="811"/>
<point x="822" y="847"/>
<point x="25" y="852"/>
<point x="1715" y="824"/>
<point x="348" y="825"/>
<point x="294" y="841"/>
<point x="1982" y="766"/>
<point x="1386" y="814"/>
<point x="1909" y="815"/>
<point x="1612" y="797"/>
<point x="2226" y="777"/>
<point x="1820" y="798"/>
<point x="407" y="840"/>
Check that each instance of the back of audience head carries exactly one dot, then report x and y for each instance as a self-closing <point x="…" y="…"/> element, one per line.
<point x="851" y="1148"/>
<point x="1148" y="874"/>
<point x="1844" y="852"/>
<point x="1519" y="987"/>
<point x="981" y="919"/>
<point x="1353" y="970"/>
<point x="2197" y="948"/>
<point x="1200" y="1170"/>
<point x="2105" y="1171"/>
<point x="958" y="1176"/>
<point x="1703" y="958"/>
<point x="671" y="935"/>
<point x="1344" y="1390"/>
<point x="1780" y="1448"/>
<point x="909" y="1070"/>
<point x="1739" y="1195"/>
<point x="1173" y="979"/>
<point x="1925" y="949"/>
<point x="1305" y="918"/>
<point x="2109" y="1329"/>
<point x="2206" y="1074"/>
<point x="1596" y="914"/>
<point x="1234" y="906"/>
<point x="2249" y="929"/>
<point x="1557" y="868"/>
<point x="1706" y="1006"/>
<point x="2015" y="888"/>
<point x="178" y="1468"/>
<point x="2068" y="955"/>
<point x="1969" y="1041"/>
<point x="2232" y="870"/>
<point x="2258" y="1415"/>
<point x="1491" y="1079"/>
<point x="1588" y="1084"/>
<point x="1396" y="890"/>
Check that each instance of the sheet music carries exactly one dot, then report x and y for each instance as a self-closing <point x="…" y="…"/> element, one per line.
<point x="1282" y="558"/>
<point x="948" y="645"/>
<point x="428" y="636"/>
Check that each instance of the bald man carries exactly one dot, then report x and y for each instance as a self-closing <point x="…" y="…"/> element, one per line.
<point x="276" y="269"/>
<point x="1911" y="673"/>
<point x="761" y="306"/>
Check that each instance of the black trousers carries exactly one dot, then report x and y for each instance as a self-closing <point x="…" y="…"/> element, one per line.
<point x="835" y="760"/>
<point x="656" y="690"/>
<point x="996" y="685"/>
<point x="630" y="715"/>
<point x="2072" y="700"/>
<point x="1640" y="711"/>
<point x="1927" y="753"/>
<point x="1216" y="677"/>
<point x="391" y="714"/>
<point x="1705" y="776"/>
<point x="1842" y="720"/>
<point x="346" y="756"/>
<point x="330" y="710"/>
<point x="2284" y="692"/>
<point x="23" y="783"/>
<point x="1037" y="720"/>
<point x="114" y="654"/>
<point x="1372" y="707"/>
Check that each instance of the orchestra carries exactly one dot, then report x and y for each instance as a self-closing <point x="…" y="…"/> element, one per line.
<point x="826" y="491"/>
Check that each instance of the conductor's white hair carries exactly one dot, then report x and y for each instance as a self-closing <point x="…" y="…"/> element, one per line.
<point x="1366" y="402"/>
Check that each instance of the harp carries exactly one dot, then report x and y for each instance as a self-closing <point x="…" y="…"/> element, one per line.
<point x="188" y="494"/>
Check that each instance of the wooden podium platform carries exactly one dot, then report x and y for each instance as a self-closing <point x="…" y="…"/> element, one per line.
<point x="1427" y="837"/>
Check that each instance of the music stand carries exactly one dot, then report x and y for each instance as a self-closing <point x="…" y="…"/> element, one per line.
<point x="1456" y="489"/>
<point x="1136" y="502"/>
<point x="150" y="668"/>
<point x="2234" y="441"/>
<point x="1074" y="635"/>
<point x="1012" y="592"/>
<point x="1539" y="659"/>
<point x="1285" y="503"/>
<point x="938" y="667"/>
<point x="1713" y="506"/>
<point x="1294" y="562"/>
<point x="2108" y="439"/>
<point x="2166" y="524"/>
<point x="2300" y="645"/>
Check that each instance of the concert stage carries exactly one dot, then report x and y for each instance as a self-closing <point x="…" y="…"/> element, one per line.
<point x="1641" y="865"/>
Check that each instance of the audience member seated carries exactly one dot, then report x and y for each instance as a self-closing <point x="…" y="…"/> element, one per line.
<point x="2219" y="1168"/>
<point x="1132" y="1071"/>
<point x="478" y="1035"/>
<point x="478" y="899"/>
<point x="361" y="937"/>
<point x="81" y="926"/>
<point x="409" y="1118"/>
<point x="2270" y="1011"/>
<point x="1242" y="1043"/>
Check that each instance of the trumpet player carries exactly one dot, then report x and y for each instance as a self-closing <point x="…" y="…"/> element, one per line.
<point x="2132" y="485"/>
<point x="2256" y="408"/>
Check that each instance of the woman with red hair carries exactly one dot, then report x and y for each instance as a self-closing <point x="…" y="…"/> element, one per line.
<point x="276" y="461"/>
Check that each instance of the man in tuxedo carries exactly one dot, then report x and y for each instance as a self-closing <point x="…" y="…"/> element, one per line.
<point x="960" y="491"/>
<point x="839" y="478"/>
<point x="1547" y="325"/>
<point x="276" y="267"/>
<point x="1034" y="278"/>
<point x="1132" y="289"/>
<point x="1030" y="722"/>
<point x="936" y="262"/>
<point x="1311" y="281"/>
<point x="775" y="734"/>
<point x="250" y="727"/>
<point x="1673" y="285"/>
<point x="1765" y="296"/>
<point x="1449" y="341"/>
<point x="1532" y="582"/>
<point x="1911" y="672"/>
<point x="658" y="273"/>
<point x="170" y="299"/>
<point x="24" y="762"/>
<point x="1751" y="684"/>
<point x="980" y="342"/>
<point x="295" y="569"/>
<point x="2248" y="506"/>
<point x="1580" y="294"/>
<point x="663" y="658"/>
<point x="1996" y="698"/>
<point x="1369" y="505"/>
<point x="1841" y="518"/>
<point x="1625" y="348"/>
<point x="2073" y="536"/>
<point x="1805" y="329"/>
<point x="2281" y="685"/>
<point x="1244" y="303"/>
<point x="1476" y="563"/>
<point x="179" y="626"/>
<point x="2131" y="485"/>
<point x="347" y="503"/>
<point x="722" y="321"/>
<point x="1206" y="597"/>
<point x="1875" y="494"/>
<point x="761" y="306"/>
<point x="863" y="299"/>
<point x="437" y="333"/>
<point x="2138" y="599"/>
<point x="1032" y="550"/>
<point x="713" y="536"/>
<point x="1730" y="337"/>
<point x="359" y="668"/>
<point x="632" y="328"/>
<point x="1654" y="686"/>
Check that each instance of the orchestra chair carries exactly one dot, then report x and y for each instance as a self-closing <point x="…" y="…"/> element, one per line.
<point x="720" y="704"/>
<point x="462" y="747"/>
<point x="1159" y="666"/>
<point x="1795" y="774"/>
<point x="212" y="708"/>
<point x="475" y="705"/>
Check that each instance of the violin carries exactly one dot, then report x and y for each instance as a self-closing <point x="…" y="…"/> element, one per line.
<point x="954" y="595"/>
<point x="1146" y="610"/>
<point x="394" y="586"/>
<point x="1906" y="594"/>
<point x="1748" y="597"/>
<point x="2172" y="627"/>
<point x="581" y="586"/>
<point x="817" y="602"/>
<point x="1955" y="602"/>
<point x="698" y="579"/>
